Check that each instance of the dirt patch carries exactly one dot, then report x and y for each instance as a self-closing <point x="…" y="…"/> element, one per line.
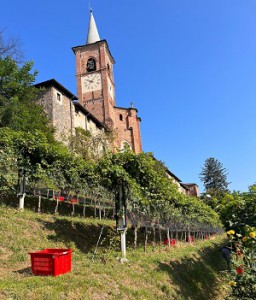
<point x="4" y="253"/>
<point x="3" y="273"/>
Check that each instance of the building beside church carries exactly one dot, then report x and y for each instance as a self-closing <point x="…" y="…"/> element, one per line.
<point x="65" y="112"/>
<point x="94" y="108"/>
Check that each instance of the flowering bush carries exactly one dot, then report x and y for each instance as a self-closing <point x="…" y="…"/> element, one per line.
<point x="243" y="281"/>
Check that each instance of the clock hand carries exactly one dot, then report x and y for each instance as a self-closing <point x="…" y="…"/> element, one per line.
<point x="94" y="77"/>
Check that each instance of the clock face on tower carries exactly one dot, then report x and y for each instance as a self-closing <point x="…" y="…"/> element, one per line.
<point x="91" y="82"/>
<point x="110" y="89"/>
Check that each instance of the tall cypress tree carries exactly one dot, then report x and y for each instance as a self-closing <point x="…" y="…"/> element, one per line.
<point x="214" y="177"/>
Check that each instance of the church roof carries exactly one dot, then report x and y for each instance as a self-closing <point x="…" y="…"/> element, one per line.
<point x="53" y="82"/>
<point x="125" y="108"/>
<point x="93" y="34"/>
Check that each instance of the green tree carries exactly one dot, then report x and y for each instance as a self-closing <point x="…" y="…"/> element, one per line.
<point x="243" y="274"/>
<point x="10" y="47"/>
<point x="18" y="109"/>
<point x="8" y="170"/>
<point x="238" y="208"/>
<point x="91" y="146"/>
<point x="214" y="177"/>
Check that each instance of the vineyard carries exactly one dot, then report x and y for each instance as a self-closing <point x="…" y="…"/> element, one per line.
<point x="129" y="195"/>
<point x="185" y="270"/>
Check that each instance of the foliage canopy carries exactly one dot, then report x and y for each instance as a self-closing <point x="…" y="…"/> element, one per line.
<point x="214" y="177"/>
<point x="18" y="109"/>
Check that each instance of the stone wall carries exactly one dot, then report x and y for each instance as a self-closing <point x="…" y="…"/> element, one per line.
<point x="62" y="115"/>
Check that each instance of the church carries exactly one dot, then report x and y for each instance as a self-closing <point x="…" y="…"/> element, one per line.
<point x="94" y="108"/>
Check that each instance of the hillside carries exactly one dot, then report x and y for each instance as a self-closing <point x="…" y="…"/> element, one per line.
<point x="184" y="272"/>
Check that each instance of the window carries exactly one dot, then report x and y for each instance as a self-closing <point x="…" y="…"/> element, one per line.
<point x="59" y="97"/>
<point x="91" y="65"/>
<point x="121" y="117"/>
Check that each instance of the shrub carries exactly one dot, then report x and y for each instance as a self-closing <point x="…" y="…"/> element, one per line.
<point x="244" y="274"/>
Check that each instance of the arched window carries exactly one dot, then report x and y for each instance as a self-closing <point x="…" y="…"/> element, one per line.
<point x="91" y="65"/>
<point x="121" y="117"/>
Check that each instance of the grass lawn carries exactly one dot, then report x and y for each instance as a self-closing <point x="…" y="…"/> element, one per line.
<point x="186" y="271"/>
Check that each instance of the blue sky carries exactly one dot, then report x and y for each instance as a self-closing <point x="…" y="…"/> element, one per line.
<point x="189" y="66"/>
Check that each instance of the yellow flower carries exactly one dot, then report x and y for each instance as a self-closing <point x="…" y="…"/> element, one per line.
<point x="231" y="232"/>
<point x="232" y="283"/>
<point x="244" y="239"/>
<point x="252" y="235"/>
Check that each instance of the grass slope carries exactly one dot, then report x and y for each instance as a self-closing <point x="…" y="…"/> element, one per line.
<point x="184" y="272"/>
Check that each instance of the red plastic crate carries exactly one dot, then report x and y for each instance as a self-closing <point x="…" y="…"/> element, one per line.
<point x="52" y="262"/>
<point x="73" y="201"/>
<point x="59" y="198"/>
<point x="172" y="242"/>
<point x="190" y="238"/>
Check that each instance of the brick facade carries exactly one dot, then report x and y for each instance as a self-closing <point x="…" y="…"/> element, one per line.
<point x="101" y="101"/>
<point x="127" y="125"/>
<point x="192" y="189"/>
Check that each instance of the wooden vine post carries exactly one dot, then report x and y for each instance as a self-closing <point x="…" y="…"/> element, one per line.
<point x="21" y="189"/>
<point x="121" y="224"/>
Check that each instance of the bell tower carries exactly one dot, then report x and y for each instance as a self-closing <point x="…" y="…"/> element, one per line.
<point x="94" y="76"/>
<point x="96" y="90"/>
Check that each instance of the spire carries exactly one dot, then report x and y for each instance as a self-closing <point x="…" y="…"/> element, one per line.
<point x="93" y="35"/>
